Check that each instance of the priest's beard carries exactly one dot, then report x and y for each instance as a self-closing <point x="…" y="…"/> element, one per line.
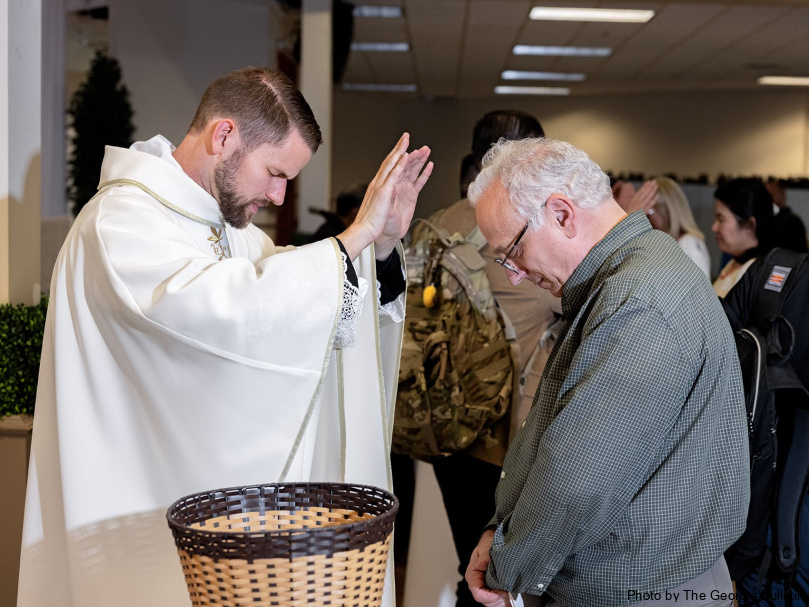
<point x="235" y="209"/>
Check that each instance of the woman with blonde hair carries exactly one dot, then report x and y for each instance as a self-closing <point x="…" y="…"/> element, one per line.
<point x="672" y="214"/>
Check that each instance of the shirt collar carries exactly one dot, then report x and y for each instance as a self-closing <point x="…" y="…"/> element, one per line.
<point x="152" y="164"/>
<point x="578" y="286"/>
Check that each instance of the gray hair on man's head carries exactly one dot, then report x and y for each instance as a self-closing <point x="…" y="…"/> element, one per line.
<point x="533" y="169"/>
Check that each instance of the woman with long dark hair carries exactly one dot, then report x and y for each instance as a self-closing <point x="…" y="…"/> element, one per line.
<point x="743" y="226"/>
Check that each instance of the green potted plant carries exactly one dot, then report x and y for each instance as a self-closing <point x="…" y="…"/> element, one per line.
<point x="100" y="115"/>
<point x="21" y="330"/>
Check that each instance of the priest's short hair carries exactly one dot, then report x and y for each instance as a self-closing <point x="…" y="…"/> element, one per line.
<point x="265" y="105"/>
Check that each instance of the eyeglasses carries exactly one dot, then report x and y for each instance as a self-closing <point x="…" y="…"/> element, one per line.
<point x="504" y="261"/>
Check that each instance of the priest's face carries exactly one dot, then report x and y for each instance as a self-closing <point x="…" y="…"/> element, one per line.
<point x="246" y="182"/>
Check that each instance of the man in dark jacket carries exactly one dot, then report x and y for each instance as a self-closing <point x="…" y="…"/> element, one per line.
<point x="789" y="230"/>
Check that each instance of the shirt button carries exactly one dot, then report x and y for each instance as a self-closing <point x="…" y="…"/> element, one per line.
<point x="540" y="586"/>
<point x="503" y="474"/>
<point x="523" y="425"/>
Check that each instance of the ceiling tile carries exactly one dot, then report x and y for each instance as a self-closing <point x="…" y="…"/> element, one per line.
<point x="436" y="33"/>
<point x="392" y="68"/>
<point x="670" y="27"/>
<point x="358" y="70"/>
<point x="379" y="30"/>
<point x="492" y="27"/>
<point x="549" y="33"/>
<point x="729" y="28"/>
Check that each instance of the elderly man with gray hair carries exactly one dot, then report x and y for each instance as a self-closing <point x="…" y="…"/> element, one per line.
<point x="629" y="478"/>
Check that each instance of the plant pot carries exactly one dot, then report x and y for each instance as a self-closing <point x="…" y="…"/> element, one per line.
<point x="15" y="447"/>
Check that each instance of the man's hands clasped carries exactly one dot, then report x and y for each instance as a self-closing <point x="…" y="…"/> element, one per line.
<point x="390" y="200"/>
<point x="476" y="575"/>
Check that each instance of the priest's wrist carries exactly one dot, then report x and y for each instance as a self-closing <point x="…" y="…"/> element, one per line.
<point x="383" y="250"/>
<point x="355" y="238"/>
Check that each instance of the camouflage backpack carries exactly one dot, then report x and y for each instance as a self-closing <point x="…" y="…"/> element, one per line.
<point x="458" y="367"/>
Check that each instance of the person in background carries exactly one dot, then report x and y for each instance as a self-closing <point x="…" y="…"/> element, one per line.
<point x="348" y="205"/>
<point x="789" y="227"/>
<point x="632" y="199"/>
<point x="743" y="226"/>
<point x="672" y="214"/>
<point x="468" y="479"/>
<point x="470" y="167"/>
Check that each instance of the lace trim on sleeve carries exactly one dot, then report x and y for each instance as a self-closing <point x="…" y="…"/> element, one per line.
<point x="395" y="310"/>
<point x="345" y="337"/>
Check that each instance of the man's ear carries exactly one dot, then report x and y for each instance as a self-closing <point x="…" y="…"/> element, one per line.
<point x="224" y="138"/>
<point x="563" y="214"/>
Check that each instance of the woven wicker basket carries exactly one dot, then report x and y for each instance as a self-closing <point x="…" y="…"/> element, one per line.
<point x="288" y="544"/>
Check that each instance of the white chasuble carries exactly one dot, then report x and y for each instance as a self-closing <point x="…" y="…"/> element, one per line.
<point x="181" y="356"/>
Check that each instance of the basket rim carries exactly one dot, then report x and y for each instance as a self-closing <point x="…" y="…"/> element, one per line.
<point x="373" y="521"/>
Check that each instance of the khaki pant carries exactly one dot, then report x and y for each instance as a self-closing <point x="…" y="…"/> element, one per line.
<point x="713" y="583"/>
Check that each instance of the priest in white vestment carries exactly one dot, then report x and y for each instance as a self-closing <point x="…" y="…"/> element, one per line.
<point x="185" y="352"/>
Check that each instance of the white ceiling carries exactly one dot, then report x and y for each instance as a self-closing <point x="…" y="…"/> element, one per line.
<point x="460" y="47"/>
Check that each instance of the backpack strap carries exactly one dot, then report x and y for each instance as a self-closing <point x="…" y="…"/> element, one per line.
<point x="442" y="234"/>
<point x="791" y="493"/>
<point x="788" y="582"/>
<point x="763" y="574"/>
<point x="552" y="332"/>
<point x="511" y="338"/>
<point x="777" y="278"/>
<point x="476" y="239"/>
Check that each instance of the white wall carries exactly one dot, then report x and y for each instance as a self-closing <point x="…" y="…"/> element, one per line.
<point x="314" y="182"/>
<point x="20" y="149"/>
<point x="757" y="132"/>
<point x="5" y="198"/>
<point x="170" y="50"/>
<point x="54" y="157"/>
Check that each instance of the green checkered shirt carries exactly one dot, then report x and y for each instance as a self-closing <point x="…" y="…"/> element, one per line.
<point x="631" y="471"/>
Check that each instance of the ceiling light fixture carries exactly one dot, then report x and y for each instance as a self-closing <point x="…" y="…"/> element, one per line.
<point x="517" y="75"/>
<point x="615" y="15"/>
<point x="381" y="47"/>
<point x="531" y="90"/>
<point x="784" y="80"/>
<point x="385" y="12"/>
<point x="390" y="88"/>
<point x="562" y="51"/>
